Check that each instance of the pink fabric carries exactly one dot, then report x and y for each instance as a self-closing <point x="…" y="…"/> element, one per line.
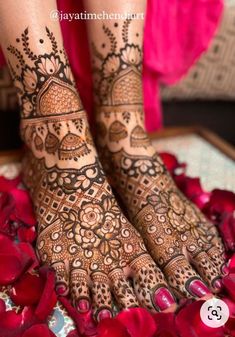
<point x="176" y="33"/>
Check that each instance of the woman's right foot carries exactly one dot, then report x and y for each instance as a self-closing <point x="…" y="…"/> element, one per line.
<point x="82" y="233"/>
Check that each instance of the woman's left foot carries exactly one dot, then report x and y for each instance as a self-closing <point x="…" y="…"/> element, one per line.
<point x="174" y="229"/>
<point x="176" y="233"/>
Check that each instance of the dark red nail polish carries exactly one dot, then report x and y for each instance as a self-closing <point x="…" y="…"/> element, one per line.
<point x="83" y="305"/>
<point x="225" y="270"/>
<point x="218" y="284"/>
<point x="61" y="289"/>
<point x="198" y="288"/>
<point x="104" y="314"/>
<point x="163" y="298"/>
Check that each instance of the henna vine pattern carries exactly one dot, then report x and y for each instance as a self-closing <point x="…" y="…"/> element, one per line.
<point x="82" y="232"/>
<point x="169" y="223"/>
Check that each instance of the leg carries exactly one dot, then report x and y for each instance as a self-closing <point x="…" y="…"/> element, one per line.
<point x="82" y="233"/>
<point x="174" y="231"/>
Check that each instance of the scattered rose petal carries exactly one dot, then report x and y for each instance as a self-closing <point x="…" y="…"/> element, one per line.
<point x="229" y="285"/>
<point x="165" y="323"/>
<point x="136" y="320"/>
<point x="48" y="297"/>
<point x="171" y="161"/>
<point x="112" y="327"/>
<point x="189" y="323"/>
<point x="38" y="330"/>
<point x="227" y="231"/>
<point x="25" y="234"/>
<point x="13" y="262"/>
<point x="7" y="185"/>
<point x="220" y="202"/>
<point x="34" y="285"/>
<point x="7" y="207"/>
<point x="231" y="265"/>
<point x="24" y="208"/>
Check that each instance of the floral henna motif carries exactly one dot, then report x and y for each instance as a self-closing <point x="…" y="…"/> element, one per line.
<point x="46" y="87"/>
<point x="82" y="233"/>
<point x="171" y="226"/>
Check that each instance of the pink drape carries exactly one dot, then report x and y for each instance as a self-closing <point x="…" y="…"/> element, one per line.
<point x="176" y="33"/>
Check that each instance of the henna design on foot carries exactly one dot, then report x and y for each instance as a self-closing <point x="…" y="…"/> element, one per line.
<point x="82" y="232"/>
<point x="177" y="235"/>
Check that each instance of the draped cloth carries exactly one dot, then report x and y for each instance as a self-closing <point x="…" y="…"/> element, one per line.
<point x="176" y="33"/>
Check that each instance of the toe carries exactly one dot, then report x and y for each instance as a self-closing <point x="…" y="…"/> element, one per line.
<point x="62" y="279"/>
<point x="101" y="296"/>
<point x="150" y="286"/>
<point x="122" y="290"/>
<point x="207" y="269"/>
<point x="217" y="256"/>
<point x="183" y="279"/>
<point x="79" y="289"/>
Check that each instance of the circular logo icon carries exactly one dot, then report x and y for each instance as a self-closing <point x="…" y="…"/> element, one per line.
<point x="214" y="312"/>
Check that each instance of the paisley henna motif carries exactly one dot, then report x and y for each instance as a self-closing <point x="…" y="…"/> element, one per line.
<point x="82" y="232"/>
<point x="171" y="225"/>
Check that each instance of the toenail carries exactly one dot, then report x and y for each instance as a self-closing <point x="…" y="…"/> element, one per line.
<point x="225" y="269"/>
<point x="218" y="284"/>
<point x="104" y="314"/>
<point x="61" y="289"/>
<point x="198" y="288"/>
<point x="83" y="305"/>
<point x="163" y="298"/>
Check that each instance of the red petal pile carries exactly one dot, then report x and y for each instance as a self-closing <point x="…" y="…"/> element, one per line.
<point x="32" y="286"/>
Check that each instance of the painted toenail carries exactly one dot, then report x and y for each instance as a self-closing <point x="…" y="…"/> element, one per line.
<point x="198" y="288"/>
<point x="61" y="289"/>
<point x="104" y="314"/>
<point x="83" y="305"/>
<point x="163" y="298"/>
<point x="218" y="284"/>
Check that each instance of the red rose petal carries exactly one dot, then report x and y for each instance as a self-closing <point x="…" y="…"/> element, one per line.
<point x="34" y="285"/>
<point x="231" y="265"/>
<point x="136" y="320"/>
<point x="165" y="323"/>
<point x="38" y="330"/>
<point x="112" y="327"/>
<point x="13" y="324"/>
<point x="48" y="298"/>
<point x="171" y="161"/>
<point x="2" y="306"/>
<point x="13" y="262"/>
<point x="230" y="327"/>
<point x="229" y="284"/>
<point x="189" y="323"/>
<point x="227" y="231"/>
<point x="7" y="207"/>
<point x="24" y="208"/>
<point x="7" y="185"/>
<point x="10" y="268"/>
<point x="27" y="234"/>
<point x="28" y="250"/>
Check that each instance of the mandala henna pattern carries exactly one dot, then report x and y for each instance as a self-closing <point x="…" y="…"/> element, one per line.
<point x="169" y="223"/>
<point x="82" y="232"/>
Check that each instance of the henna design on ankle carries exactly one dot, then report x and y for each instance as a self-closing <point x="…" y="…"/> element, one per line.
<point x="45" y="85"/>
<point x="82" y="232"/>
<point x="169" y="223"/>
